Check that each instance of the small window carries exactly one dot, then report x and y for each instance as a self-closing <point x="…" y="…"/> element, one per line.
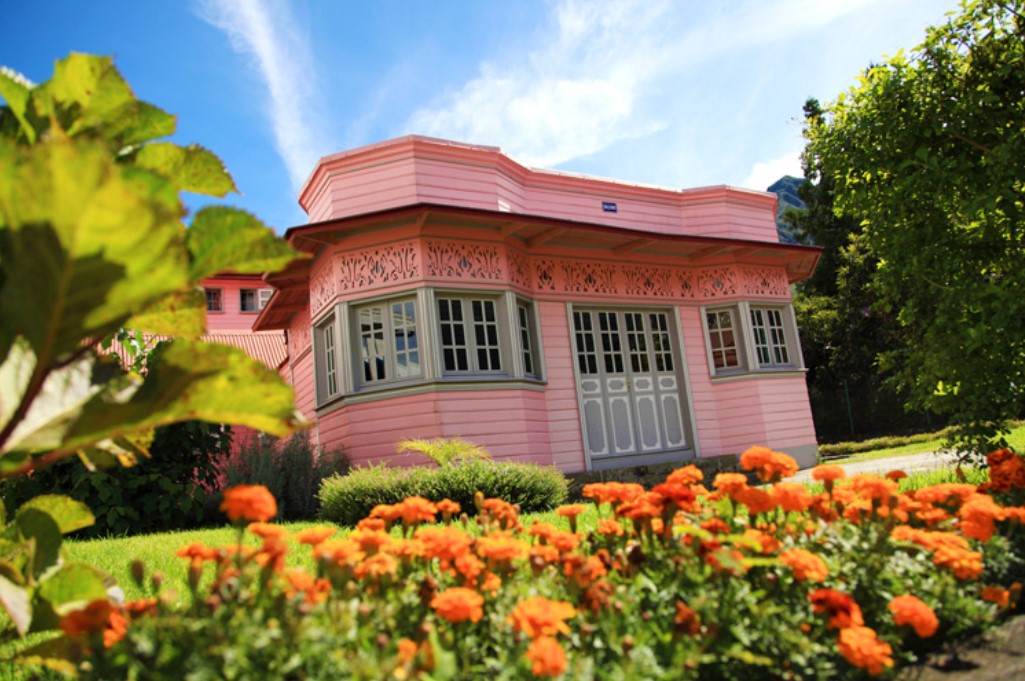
<point x="247" y="300"/>
<point x="722" y="338"/>
<point x="470" y="337"/>
<point x="214" y="300"/>
<point x="326" y="348"/>
<point x="770" y="341"/>
<point x="389" y="346"/>
<point x="263" y="297"/>
<point x="528" y="338"/>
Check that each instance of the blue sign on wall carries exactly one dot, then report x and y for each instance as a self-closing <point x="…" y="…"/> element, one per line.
<point x="609" y="207"/>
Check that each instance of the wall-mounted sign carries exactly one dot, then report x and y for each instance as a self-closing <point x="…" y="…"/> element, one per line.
<point x="609" y="207"/>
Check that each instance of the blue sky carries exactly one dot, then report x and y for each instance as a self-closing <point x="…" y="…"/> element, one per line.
<point x="674" y="93"/>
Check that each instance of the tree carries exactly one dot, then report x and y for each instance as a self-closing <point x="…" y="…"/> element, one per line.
<point x="925" y="152"/>
<point x="92" y="240"/>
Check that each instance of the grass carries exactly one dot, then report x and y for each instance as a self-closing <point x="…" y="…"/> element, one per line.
<point x="934" y="442"/>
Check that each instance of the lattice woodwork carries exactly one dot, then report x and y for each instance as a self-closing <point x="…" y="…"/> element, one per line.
<point x="589" y="277"/>
<point x="765" y="281"/>
<point x="373" y="267"/>
<point x="454" y="260"/>
<point x="648" y="281"/>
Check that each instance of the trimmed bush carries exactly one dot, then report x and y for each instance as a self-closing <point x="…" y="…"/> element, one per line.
<point x="838" y="450"/>
<point x="292" y="469"/>
<point x="346" y="499"/>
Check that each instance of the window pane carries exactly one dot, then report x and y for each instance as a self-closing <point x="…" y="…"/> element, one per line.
<point x="214" y="300"/>
<point x="247" y="299"/>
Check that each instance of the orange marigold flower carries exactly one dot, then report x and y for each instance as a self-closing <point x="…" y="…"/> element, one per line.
<point x="339" y="551"/>
<point x="444" y="543"/>
<point x="469" y="566"/>
<point x="792" y="497"/>
<point x="386" y="512"/>
<point x="730" y="483"/>
<point x="249" y="502"/>
<point x="458" y="604"/>
<point x="682" y="496"/>
<point x="449" y="507"/>
<point x="612" y="492"/>
<point x="964" y="564"/>
<point x="909" y="610"/>
<point x="1006" y="471"/>
<point x="759" y="540"/>
<point x="715" y="526"/>
<point x="610" y="527"/>
<point x="268" y="531"/>
<point x="805" y="565"/>
<point x="93" y="617"/>
<point x="313" y="536"/>
<point x="994" y="594"/>
<point x="896" y="475"/>
<point x="503" y="512"/>
<point x="196" y="553"/>
<point x="371" y="541"/>
<point x="416" y="509"/>
<point x="546" y="656"/>
<point x="491" y="583"/>
<point x="688" y="475"/>
<point x="826" y="472"/>
<point x="770" y="466"/>
<point x="141" y="607"/>
<point x="841" y="609"/>
<point x="687" y="620"/>
<point x="945" y="494"/>
<point x="756" y="500"/>
<point x="870" y="486"/>
<point x="861" y="647"/>
<point x="979" y="515"/>
<point x="377" y="566"/>
<point x="539" y="616"/>
<point x="647" y="505"/>
<point x="502" y="547"/>
<point x="564" y="541"/>
<point x="407" y="649"/>
<point x="570" y="510"/>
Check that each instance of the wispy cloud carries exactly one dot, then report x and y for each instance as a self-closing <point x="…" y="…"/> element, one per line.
<point x="265" y="31"/>
<point x="764" y="173"/>
<point x="606" y="73"/>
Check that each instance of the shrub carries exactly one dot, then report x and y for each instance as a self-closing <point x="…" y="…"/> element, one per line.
<point x="292" y="469"/>
<point x="166" y="492"/>
<point x="346" y="499"/>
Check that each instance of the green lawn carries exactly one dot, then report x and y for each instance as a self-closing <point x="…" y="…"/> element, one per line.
<point x="1015" y="440"/>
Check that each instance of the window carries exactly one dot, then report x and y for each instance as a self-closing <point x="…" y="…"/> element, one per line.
<point x="722" y="338"/>
<point x="326" y="348"/>
<point x="214" y="300"/>
<point x="528" y="338"/>
<point x="769" y="337"/>
<point x="389" y="347"/>
<point x="247" y="300"/>
<point x="469" y="335"/>
<point x="746" y="337"/>
<point x="263" y="297"/>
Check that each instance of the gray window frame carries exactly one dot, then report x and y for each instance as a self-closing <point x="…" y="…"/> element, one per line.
<point x="391" y="352"/>
<point x="747" y="340"/>
<point x="207" y="290"/>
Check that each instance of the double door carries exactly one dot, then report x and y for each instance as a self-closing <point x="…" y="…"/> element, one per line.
<point x="628" y="382"/>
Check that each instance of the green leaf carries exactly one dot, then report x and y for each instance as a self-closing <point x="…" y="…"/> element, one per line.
<point x="60" y="400"/>
<point x="445" y="666"/>
<point x="72" y="587"/>
<point x="191" y="168"/>
<point x="56" y="654"/>
<point x="15" y="90"/>
<point x="68" y="513"/>
<point x="16" y="602"/>
<point x="181" y="314"/>
<point x="42" y="531"/>
<point x="223" y="239"/>
<point x="88" y="244"/>
<point x="194" y="380"/>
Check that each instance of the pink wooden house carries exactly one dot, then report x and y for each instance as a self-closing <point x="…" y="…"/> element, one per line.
<point x="554" y="318"/>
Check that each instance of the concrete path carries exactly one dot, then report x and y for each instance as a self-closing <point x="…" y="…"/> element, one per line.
<point x="909" y="463"/>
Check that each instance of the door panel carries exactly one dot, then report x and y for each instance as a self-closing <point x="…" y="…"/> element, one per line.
<point x="628" y="386"/>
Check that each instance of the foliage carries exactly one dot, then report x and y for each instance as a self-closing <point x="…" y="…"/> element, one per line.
<point x="92" y="241"/>
<point x="292" y="469"/>
<point x="166" y="492"/>
<point x="925" y="154"/>
<point x="841" y="449"/>
<point x="444" y="451"/>
<point x="853" y="582"/>
<point x="346" y="499"/>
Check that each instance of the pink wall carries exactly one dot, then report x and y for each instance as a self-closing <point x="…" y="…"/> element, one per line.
<point x="415" y="169"/>
<point x="232" y="318"/>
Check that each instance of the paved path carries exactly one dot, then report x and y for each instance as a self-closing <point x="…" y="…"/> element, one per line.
<point x="909" y="463"/>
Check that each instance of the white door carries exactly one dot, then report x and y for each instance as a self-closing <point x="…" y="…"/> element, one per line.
<point x="627" y="380"/>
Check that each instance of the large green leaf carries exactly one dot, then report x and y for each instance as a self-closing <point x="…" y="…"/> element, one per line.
<point x="191" y="168"/>
<point x="72" y="587"/>
<point x="225" y="239"/>
<point x="181" y="314"/>
<point x="56" y="654"/>
<point x="15" y="91"/>
<point x="86" y="243"/>
<point x="38" y="528"/>
<point x="59" y="402"/>
<point x="17" y="603"/>
<point x="190" y="380"/>
<point x="68" y="513"/>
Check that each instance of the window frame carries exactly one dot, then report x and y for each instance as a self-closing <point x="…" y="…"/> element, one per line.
<point x="261" y="300"/>
<point x="505" y="345"/>
<point x="391" y="352"/>
<point x="527" y="340"/>
<point x="220" y="296"/>
<point x="242" y="300"/>
<point x="327" y="359"/>
<point x="745" y="335"/>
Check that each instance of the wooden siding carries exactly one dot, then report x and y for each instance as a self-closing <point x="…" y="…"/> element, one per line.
<point x="566" y="441"/>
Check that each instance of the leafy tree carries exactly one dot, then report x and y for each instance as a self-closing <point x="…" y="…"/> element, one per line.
<point x="925" y="152"/>
<point x="92" y="240"/>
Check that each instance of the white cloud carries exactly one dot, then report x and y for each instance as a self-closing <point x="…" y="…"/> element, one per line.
<point x="764" y="173"/>
<point x="265" y="30"/>
<point x="592" y="83"/>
